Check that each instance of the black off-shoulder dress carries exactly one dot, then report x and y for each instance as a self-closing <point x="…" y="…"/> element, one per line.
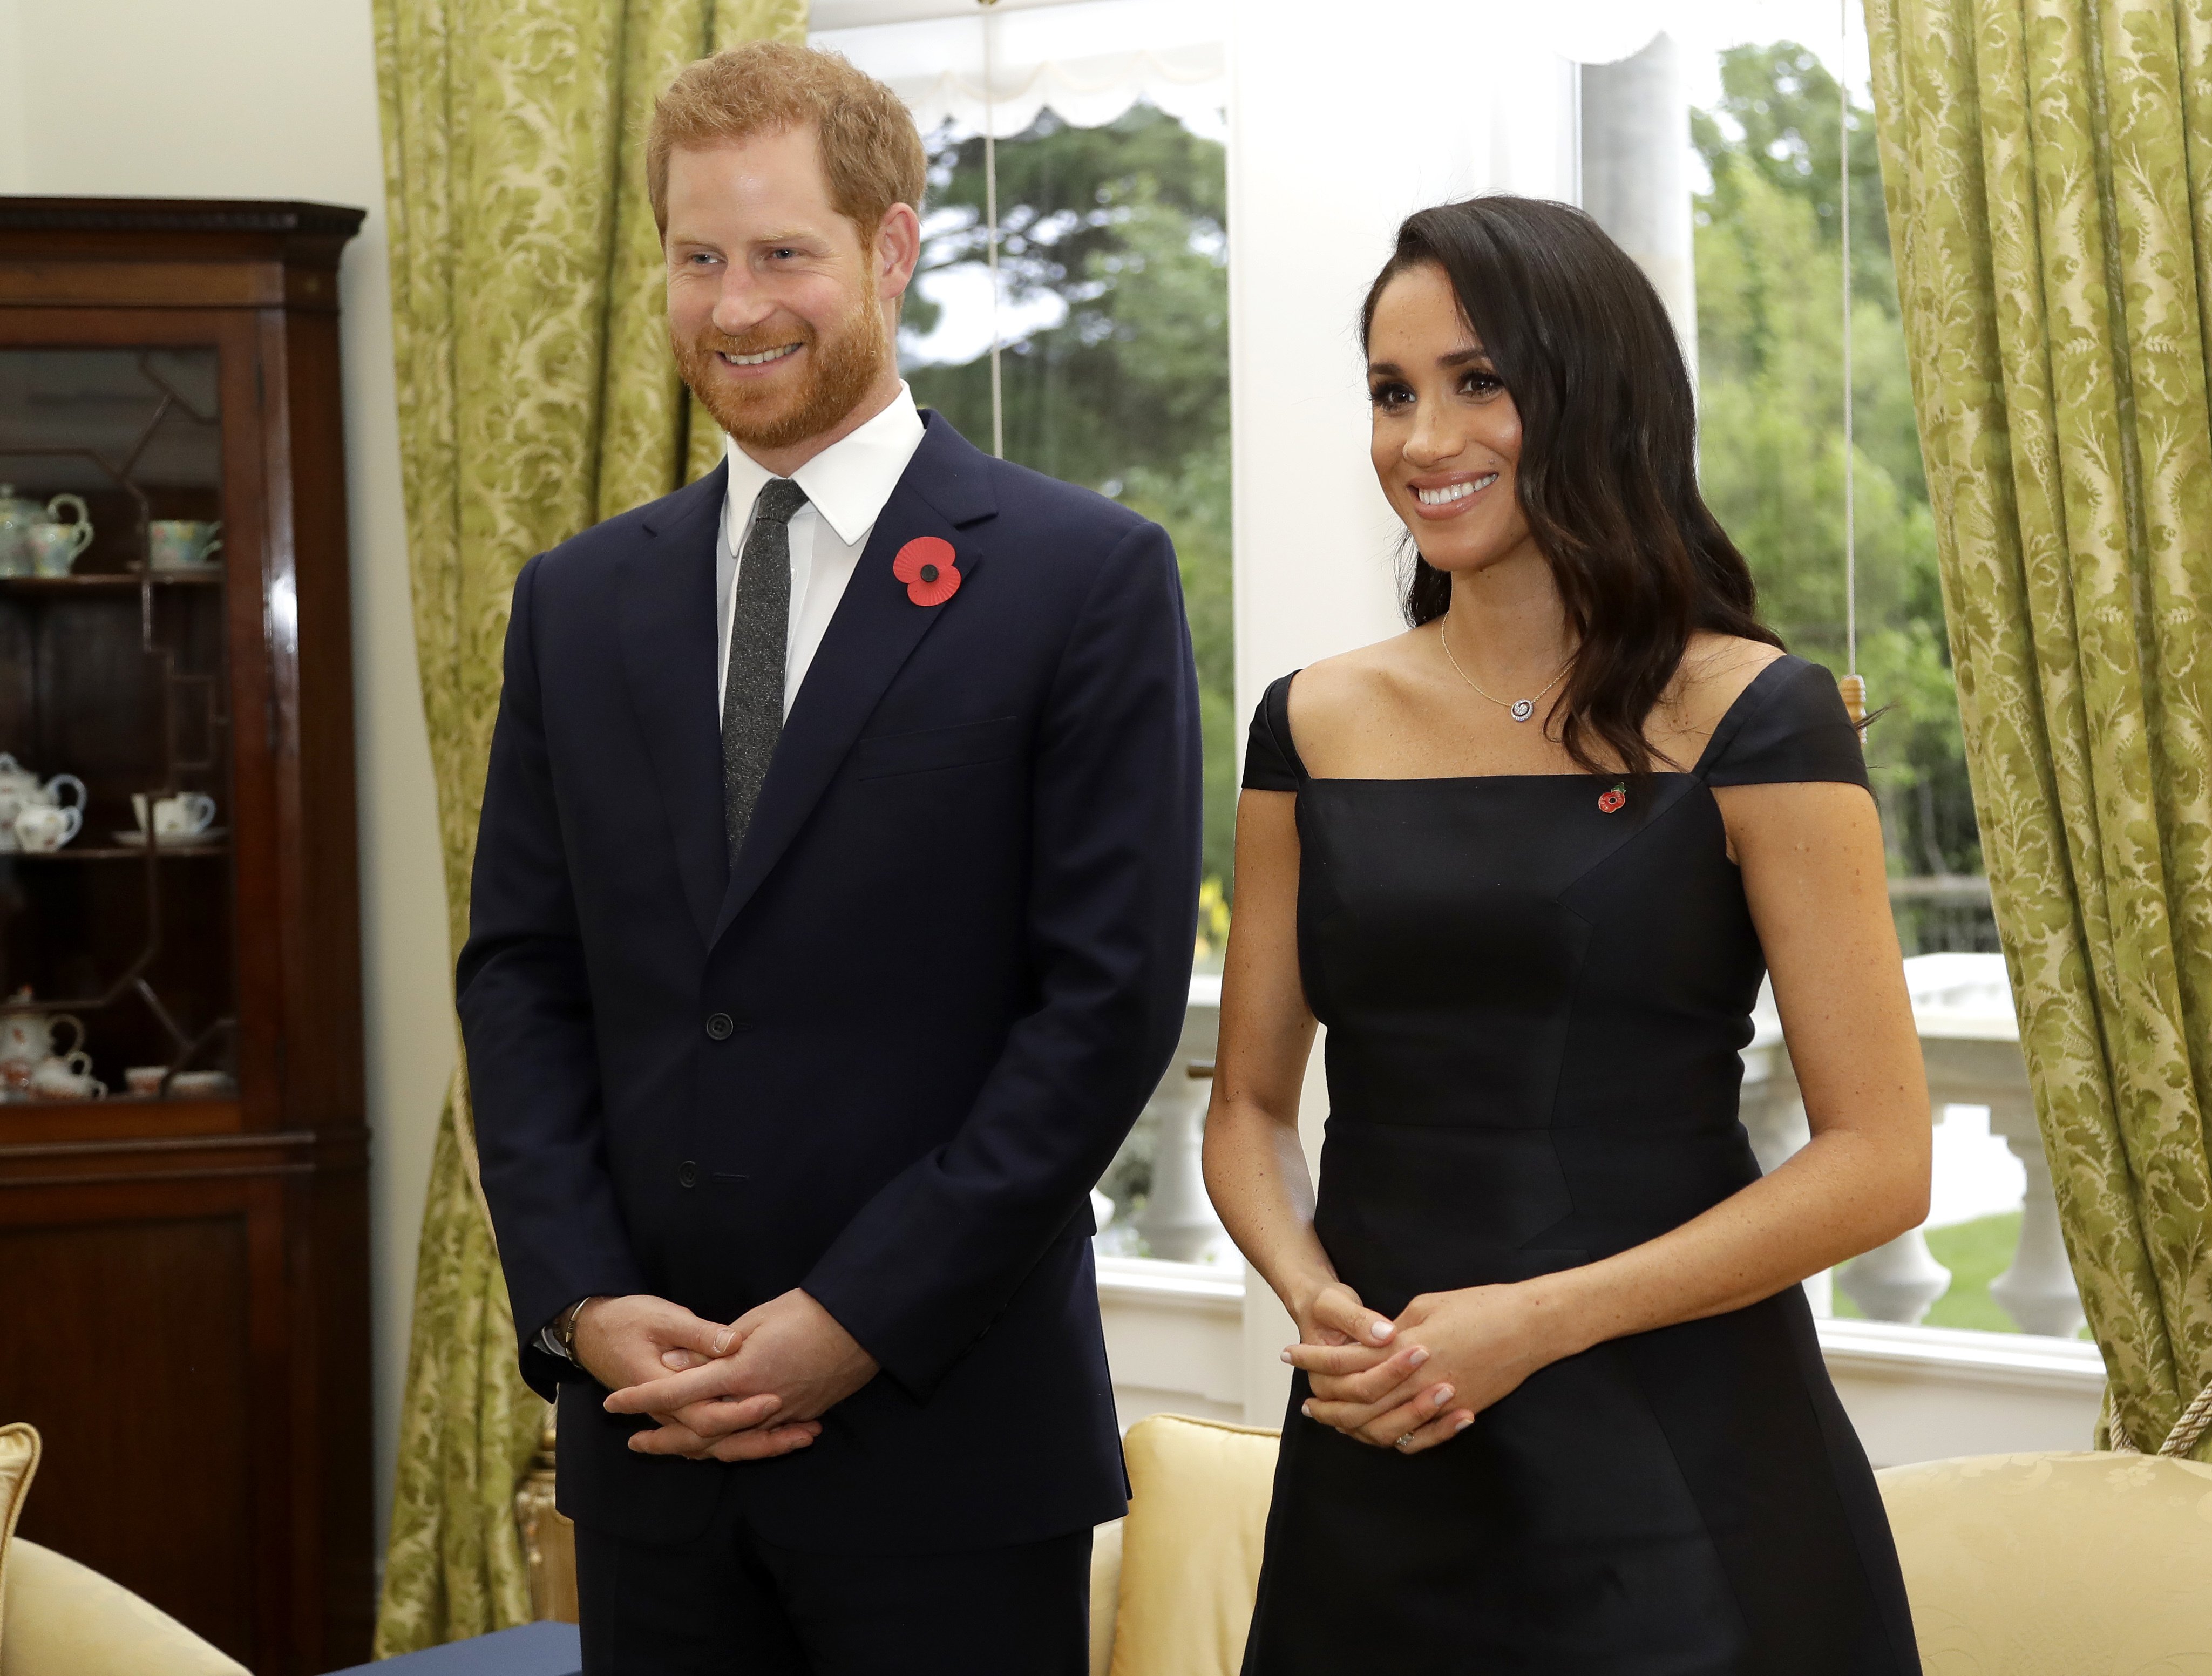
<point x="1535" y="1002"/>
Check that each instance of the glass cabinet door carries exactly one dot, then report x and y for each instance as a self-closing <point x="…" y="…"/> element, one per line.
<point x="117" y="957"/>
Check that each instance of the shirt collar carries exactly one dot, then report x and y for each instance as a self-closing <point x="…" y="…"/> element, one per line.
<point x="849" y="482"/>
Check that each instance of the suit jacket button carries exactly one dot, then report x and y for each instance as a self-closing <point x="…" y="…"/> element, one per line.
<point x="687" y="1174"/>
<point x="720" y="1024"/>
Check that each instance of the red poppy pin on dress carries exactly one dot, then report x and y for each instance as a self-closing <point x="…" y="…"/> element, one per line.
<point x="925" y="565"/>
<point x="1612" y="802"/>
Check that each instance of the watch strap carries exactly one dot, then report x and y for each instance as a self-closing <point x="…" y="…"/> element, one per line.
<point x="563" y="1333"/>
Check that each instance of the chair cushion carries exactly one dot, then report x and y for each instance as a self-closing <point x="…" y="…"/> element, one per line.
<point x="1191" y="1544"/>
<point x="18" y="1459"/>
<point x="65" y="1619"/>
<point x="2056" y="1564"/>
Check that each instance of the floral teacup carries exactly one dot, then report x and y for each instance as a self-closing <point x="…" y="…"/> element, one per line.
<point x="44" y="828"/>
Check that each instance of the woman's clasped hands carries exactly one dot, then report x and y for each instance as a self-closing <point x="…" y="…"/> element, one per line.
<point x="1420" y="1381"/>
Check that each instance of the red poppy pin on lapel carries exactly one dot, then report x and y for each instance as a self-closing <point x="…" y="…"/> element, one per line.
<point x="1611" y="801"/>
<point x="925" y="565"/>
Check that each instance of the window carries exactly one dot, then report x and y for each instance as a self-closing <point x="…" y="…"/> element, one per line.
<point x="1109" y="312"/>
<point x="1770" y="346"/>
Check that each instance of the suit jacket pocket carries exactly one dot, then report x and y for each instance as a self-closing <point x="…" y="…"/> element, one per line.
<point x="928" y="750"/>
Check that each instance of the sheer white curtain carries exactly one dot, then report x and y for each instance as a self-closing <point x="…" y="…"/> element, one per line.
<point x="1088" y="60"/>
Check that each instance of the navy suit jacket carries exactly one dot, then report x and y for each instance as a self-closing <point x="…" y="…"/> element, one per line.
<point x="886" y="1056"/>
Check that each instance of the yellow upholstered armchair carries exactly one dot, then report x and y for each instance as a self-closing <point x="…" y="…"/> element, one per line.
<point x="2057" y="1564"/>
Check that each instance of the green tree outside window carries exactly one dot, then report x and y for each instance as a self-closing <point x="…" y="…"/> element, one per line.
<point x="1770" y="346"/>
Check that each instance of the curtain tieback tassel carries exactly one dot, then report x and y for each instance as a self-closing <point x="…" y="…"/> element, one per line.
<point x="2192" y="1424"/>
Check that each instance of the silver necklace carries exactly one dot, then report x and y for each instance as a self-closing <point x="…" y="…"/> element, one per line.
<point x="1520" y="709"/>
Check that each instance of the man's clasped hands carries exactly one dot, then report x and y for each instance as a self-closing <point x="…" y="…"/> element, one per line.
<point x="1420" y="1381"/>
<point x="743" y="1390"/>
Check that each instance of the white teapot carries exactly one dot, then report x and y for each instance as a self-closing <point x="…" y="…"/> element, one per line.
<point x="14" y="777"/>
<point x="16" y="517"/>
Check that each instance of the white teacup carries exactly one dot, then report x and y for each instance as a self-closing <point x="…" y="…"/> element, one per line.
<point x="44" y="828"/>
<point x="66" y="1077"/>
<point x="186" y="814"/>
<point x="203" y="1085"/>
<point x="182" y="543"/>
<point x="54" y="547"/>
<point x="54" y="544"/>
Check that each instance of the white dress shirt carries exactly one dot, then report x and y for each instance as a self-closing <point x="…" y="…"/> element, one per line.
<point x="847" y="485"/>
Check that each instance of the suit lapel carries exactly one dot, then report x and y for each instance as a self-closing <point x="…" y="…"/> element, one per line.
<point x="876" y="628"/>
<point x="668" y="654"/>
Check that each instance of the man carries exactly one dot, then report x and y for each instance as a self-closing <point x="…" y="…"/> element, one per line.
<point x="832" y="917"/>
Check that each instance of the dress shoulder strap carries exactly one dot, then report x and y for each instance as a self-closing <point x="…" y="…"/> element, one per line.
<point x="1788" y="725"/>
<point x="1270" y="759"/>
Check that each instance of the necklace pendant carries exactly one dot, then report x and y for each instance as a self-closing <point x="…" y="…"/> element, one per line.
<point x="1523" y="709"/>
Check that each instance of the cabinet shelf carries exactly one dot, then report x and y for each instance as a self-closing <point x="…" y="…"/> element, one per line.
<point x="115" y="853"/>
<point x="110" y="581"/>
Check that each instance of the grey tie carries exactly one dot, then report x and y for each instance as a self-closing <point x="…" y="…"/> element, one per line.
<point x="760" y="625"/>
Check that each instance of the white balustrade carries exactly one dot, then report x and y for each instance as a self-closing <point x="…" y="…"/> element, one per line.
<point x="2037" y="1290"/>
<point x="1898" y="1281"/>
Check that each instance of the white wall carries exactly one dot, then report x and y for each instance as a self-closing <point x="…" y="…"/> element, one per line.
<point x="277" y="98"/>
<point x="1337" y="134"/>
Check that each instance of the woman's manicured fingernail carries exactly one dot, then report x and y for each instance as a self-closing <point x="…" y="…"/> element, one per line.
<point x="1382" y="1331"/>
<point x="1443" y="1396"/>
<point x="1463" y="1425"/>
<point x="1286" y="1356"/>
<point x="722" y="1341"/>
<point x="1306" y="1409"/>
<point x="1417" y="1358"/>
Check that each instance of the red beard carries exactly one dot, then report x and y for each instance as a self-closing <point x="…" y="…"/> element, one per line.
<point x="842" y="370"/>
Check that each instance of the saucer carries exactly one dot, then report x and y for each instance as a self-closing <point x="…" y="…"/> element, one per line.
<point x="134" y="839"/>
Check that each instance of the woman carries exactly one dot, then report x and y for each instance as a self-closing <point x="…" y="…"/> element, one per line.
<point x="1559" y="1407"/>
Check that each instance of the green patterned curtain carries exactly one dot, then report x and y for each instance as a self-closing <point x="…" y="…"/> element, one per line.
<point x="2048" y="165"/>
<point x="536" y="397"/>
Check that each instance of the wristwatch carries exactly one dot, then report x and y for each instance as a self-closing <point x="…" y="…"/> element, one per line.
<point x="561" y="1336"/>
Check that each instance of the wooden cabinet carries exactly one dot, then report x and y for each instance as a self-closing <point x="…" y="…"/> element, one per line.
<point x="184" y="1294"/>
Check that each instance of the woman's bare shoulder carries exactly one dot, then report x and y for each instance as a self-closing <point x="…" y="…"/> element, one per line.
<point x="1713" y="675"/>
<point x="1349" y="691"/>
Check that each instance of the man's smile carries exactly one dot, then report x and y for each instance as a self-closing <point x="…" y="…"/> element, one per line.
<point x="761" y="359"/>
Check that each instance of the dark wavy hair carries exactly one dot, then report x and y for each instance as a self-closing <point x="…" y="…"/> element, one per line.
<point x="1608" y="472"/>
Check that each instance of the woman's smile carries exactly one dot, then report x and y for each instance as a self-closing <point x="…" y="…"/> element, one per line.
<point x="1438" y="496"/>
